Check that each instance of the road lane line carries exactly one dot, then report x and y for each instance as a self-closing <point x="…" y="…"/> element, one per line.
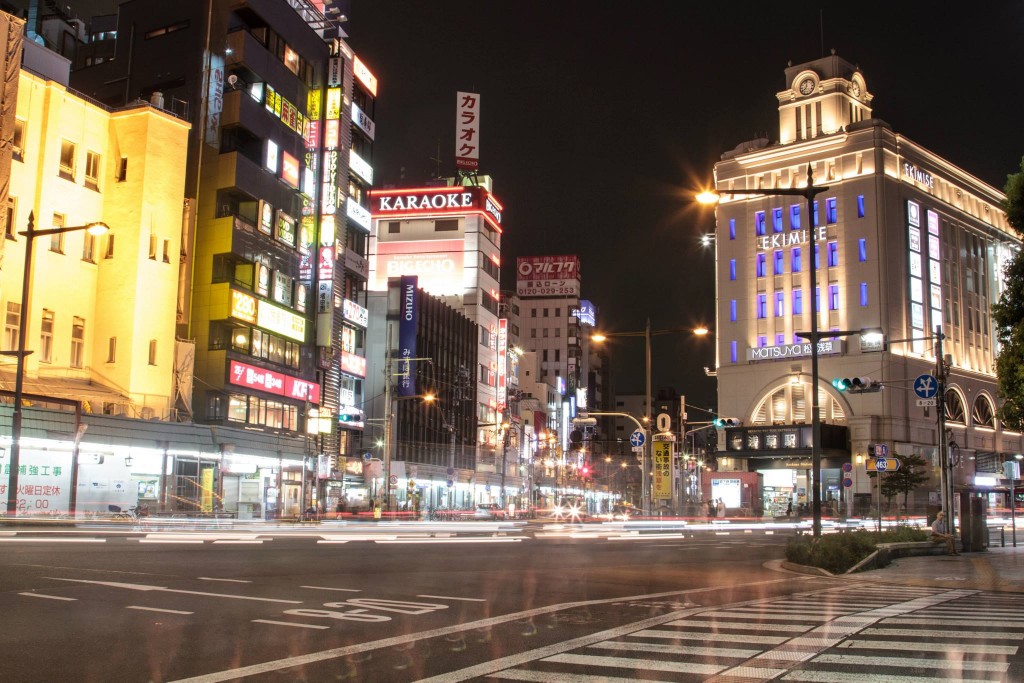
<point x="328" y="588"/>
<point x="158" y="609"/>
<point x="52" y="540"/>
<point x="494" y="665"/>
<point x="211" y="578"/>
<point x="49" y="597"/>
<point x="232" y="542"/>
<point x="145" y="587"/>
<point x="288" y="623"/>
<point x="452" y="540"/>
<point x="169" y="541"/>
<point x="449" y="597"/>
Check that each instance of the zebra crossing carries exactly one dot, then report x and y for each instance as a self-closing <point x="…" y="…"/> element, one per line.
<point x="858" y="632"/>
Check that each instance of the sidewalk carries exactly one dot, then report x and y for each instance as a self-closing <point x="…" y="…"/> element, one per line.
<point x="996" y="569"/>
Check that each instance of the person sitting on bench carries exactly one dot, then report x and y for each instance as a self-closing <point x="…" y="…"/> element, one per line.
<point x="940" y="534"/>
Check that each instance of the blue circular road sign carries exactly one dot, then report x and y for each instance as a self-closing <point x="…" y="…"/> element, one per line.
<point x="637" y="438"/>
<point x="926" y="386"/>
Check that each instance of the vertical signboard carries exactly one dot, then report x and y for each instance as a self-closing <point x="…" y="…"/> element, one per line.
<point x="502" y="362"/>
<point x="662" y="469"/>
<point x="214" y="99"/>
<point x="467" y="130"/>
<point x="407" y="335"/>
<point x="11" y="29"/>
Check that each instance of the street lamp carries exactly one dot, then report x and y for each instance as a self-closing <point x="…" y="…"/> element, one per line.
<point x="30" y="233"/>
<point x="809" y="192"/>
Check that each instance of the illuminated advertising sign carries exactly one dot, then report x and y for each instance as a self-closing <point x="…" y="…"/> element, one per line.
<point x="662" y="457"/>
<point x="353" y="364"/>
<point x="360" y="167"/>
<point x="467" y="130"/>
<point x="333" y="108"/>
<point x="214" y="100"/>
<point x="290" y="169"/>
<point x="917" y="175"/>
<point x="270" y="161"/>
<point x="437" y="263"/>
<point x="354" y="313"/>
<point x="335" y="71"/>
<point x="825" y="347"/>
<point x="325" y="269"/>
<point x="329" y="202"/>
<point x="407" y="314"/>
<point x="364" y="122"/>
<point x="586" y="313"/>
<point x="358" y="214"/>
<point x="252" y="377"/>
<point x="436" y="201"/>
<point x="331" y="132"/>
<point x="243" y="306"/>
<point x="791" y="238"/>
<point x="548" y="275"/>
<point x="281" y="321"/>
<point x="502" y="361"/>
<point x="365" y="76"/>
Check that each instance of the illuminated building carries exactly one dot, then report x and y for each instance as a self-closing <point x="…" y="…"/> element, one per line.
<point x="903" y="240"/>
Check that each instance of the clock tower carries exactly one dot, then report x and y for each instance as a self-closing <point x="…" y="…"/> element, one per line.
<point x="821" y="97"/>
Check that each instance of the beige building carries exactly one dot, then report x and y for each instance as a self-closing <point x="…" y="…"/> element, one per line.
<point x="102" y="309"/>
<point x="903" y="240"/>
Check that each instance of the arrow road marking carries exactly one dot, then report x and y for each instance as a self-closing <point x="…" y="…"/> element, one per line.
<point x="144" y="587"/>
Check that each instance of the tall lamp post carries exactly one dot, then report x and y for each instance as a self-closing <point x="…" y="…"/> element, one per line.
<point x="809" y="192"/>
<point x="30" y="233"/>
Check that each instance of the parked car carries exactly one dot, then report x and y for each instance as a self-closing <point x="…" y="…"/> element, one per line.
<point x="488" y="511"/>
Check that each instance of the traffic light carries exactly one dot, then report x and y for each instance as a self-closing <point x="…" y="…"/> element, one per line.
<point x="727" y="422"/>
<point x="585" y="470"/>
<point x="351" y="417"/>
<point x="857" y="385"/>
<point x="576" y="436"/>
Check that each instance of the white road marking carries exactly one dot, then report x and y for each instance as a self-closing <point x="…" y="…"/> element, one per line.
<point x="328" y="588"/>
<point x="157" y="609"/>
<point x="916" y="662"/>
<point x="331" y="542"/>
<point x="769" y="615"/>
<point x="449" y="597"/>
<point x="917" y="621"/>
<point x="144" y="587"/>
<point x="288" y="623"/>
<point x="644" y="537"/>
<point x="503" y="539"/>
<point x="52" y="540"/>
<point x="546" y="677"/>
<point x="230" y="542"/>
<point x="949" y="649"/>
<point x="838" y="677"/>
<point x="704" y="637"/>
<point x="637" y="664"/>
<point x="211" y="578"/>
<point x="170" y="540"/>
<point x="676" y="649"/>
<point x="749" y="625"/>
<point x="49" y="597"/>
<point x="926" y="633"/>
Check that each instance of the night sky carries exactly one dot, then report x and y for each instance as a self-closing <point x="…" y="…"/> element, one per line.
<point x="599" y="119"/>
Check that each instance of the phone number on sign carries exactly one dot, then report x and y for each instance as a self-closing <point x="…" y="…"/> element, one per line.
<point x="543" y="291"/>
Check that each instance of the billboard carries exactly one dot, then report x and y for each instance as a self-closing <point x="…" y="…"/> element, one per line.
<point x="407" y="335"/>
<point x="467" y="130"/>
<point x="502" y="362"/>
<point x="437" y="263"/>
<point x="436" y="201"/>
<point x="548" y="275"/>
<point x="252" y="377"/>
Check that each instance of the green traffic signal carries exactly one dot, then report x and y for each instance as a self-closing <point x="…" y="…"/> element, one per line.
<point x="841" y="384"/>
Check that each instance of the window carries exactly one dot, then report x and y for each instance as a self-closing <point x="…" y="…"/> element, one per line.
<point x="732" y="269"/>
<point x="109" y="251"/>
<point x="732" y="351"/>
<point x="545" y="312"/>
<point x="817" y="300"/>
<point x="11" y="324"/>
<point x="833" y="254"/>
<point x="780" y="262"/>
<point x="798" y="302"/>
<point x="122" y="169"/>
<point x="57" y="239"/>
<point x="760" y="264"/>
<point x="794" y="217"/>
<point x="762" y="305"/>
<point x="777" y="219"/>
<point x="545" y="333"/>
<point x="732" y="311"/>
<point x="780" y="304"/>
<point x="446" y="225"/>
<point x="759" y="226"/>
<point x="12" y="211"/>
<point x="862" y="249"/>
<point x="111" y="350"/>
<point x="762" y="340"/>
<point x="558" y="331"/>
<point x="831" y="214"/>
<point x="92" y="170"/>
<point x="794" y="258"/>
<point x="544" y="355"/>
<point x="732" y="228"/>
<point x="533" y="334"/>
<point x="863" y="294"/>
<point x="533" y="312"/>
<point x="817" y="222"/>
<point x="833" y="297"/>
<point x="860" y="206"/>
<point x="394" y="227"/>
<point x="89" y="247"/>
<point x="67" y="160"/>
<point x="152" y="246"/>
<point x="77" y="342"/>
<point x="817" y="258"/>
<point x="780" y="339"/>
<point x="46" y="337"/>
<point x="167" y="251"/>
<point x="558" y="312"/>
<point x="18" y="144"/>
<point x="558" y="355"/>
<point x="152" y="351"/>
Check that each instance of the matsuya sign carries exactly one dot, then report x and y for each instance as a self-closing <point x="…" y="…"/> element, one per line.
<point x="825" y="346"/>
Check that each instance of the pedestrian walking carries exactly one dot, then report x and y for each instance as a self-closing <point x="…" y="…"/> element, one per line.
<point x="721" y="509"/>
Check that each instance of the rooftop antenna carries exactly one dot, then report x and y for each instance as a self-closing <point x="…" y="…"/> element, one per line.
<point x="437" y="159"/>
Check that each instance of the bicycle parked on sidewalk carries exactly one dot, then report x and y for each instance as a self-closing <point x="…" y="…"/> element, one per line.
<point x="134" y="513"/>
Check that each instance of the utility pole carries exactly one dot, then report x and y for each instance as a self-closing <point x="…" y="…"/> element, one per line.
<point x="945" y="474"/>
<point x="388" y="415"/>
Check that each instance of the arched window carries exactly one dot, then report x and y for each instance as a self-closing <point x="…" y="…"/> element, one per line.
<point x="788" y="404"/>
<point x="955" y="411"/>
<point x="983" y="414"/>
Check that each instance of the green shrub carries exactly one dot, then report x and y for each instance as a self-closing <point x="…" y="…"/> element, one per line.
<point x="839" y="552"/>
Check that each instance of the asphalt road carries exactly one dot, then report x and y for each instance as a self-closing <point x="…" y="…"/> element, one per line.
<point x="219" y="607"/>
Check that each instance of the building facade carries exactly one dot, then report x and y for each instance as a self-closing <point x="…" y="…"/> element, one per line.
<point x="902" y="240"/>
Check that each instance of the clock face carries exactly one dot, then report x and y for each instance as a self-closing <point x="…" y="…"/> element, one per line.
<point x="806" y="86"/>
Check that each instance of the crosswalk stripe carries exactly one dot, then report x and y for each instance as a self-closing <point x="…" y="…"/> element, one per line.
<point x="948" y="648"/>
<point x="986" y="614"/>
<point x="929" y="633"/>
<point x="546" y="677"/>
<point x="722" y="637"/>
<point x="917" y="620"/>
<point x="811" y="676"/>
<point x="636" y="664"/>
<point x="675" y="649"/>
<point x="904" y="662"/>
<point x="777" y="609"/>
<point x="768" y="615"/>
<point x="745" y="625"/>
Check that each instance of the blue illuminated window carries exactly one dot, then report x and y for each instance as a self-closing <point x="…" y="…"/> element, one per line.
<point x="732" y="351"/>
<point x="795" y="259"/>
<point x="780" y="339"/>
<point x="762" y="341"/>
<point x="862" y="249"/>
<point x="780" y="304"/>
<point x="759" y="226"/>
<point x="732" y="228"/>
<point x="780" y="262"/>
<point x="732" y="269"/>
<point x="860" y="206"/>
<point x="833" y="297"/>
<point x="798" y="302"/>
<point x="833" y="254"/>
<point x="863" y="294"/>
<point x="817" y="300"/>
<point x="817" y="258"/>
<point x="777" y="219"/>
<point x="732" y="310"/>
<point x="760" y="264"/>
<point x="762" y="305"/>
<point x="794" y="217"/>
<point x="831" y="215"/>
<point x="816" y="221"/>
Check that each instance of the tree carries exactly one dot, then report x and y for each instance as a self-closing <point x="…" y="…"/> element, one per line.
<point x="1008" y="315"/>
<point x="912" y="473"/>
